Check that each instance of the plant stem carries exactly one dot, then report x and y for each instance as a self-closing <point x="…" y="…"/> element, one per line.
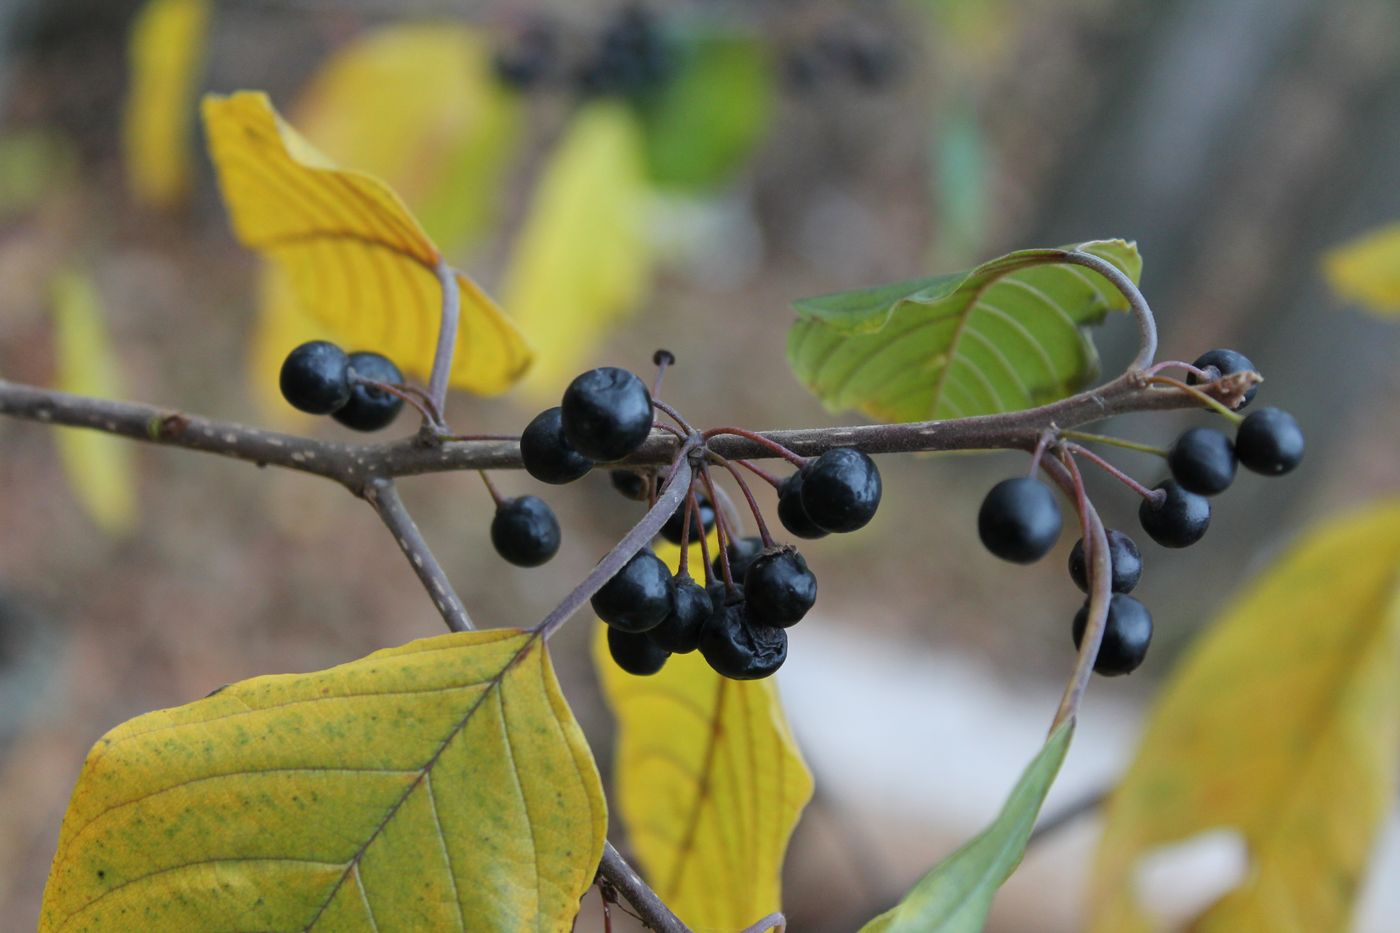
<point x="1155" y="496"/>
<point x="748" y="495"/>
<point x="775" y="481"/>
<point x="767" y="443"/>
<point x="1100" y="573"/>
<point x="1142" y="313"/>
<point x="652" y="910"/>
<point x="491" y="488"/>
<point x="1113" y="442"/>
<point x="1205" y="399"/>
<point x="447" y="335"/>
<point x="384" y="497"/>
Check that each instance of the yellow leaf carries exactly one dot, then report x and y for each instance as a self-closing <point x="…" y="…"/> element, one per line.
<point x="281" y="326"/>
<point x="99" y="465"/>
<point x="710" y="783"/>
<point x="439" y="785"/>
<point x="1367" y="270"/>
<point x="582" y="261"/>
<point x="1284" y="725"/>
<point x="166" y="53"/>
<point x="356" y="258"/>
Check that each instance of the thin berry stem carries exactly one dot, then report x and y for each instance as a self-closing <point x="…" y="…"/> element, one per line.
<point x="705" y="552"/>
<point x="1154" y="496"/>
<point x="775" y="481"/>
<point x="1045" y="438"/>
<point x="1100" y="572"/>
<point x="1205" y="375"/>
<point x="447" y="334"/>
<point x="384" y="497"/>
<point x="765" y="442"/>
<point x="491" y="488"/>
<point x="1196" y="393"/>
<point x="661" y="359"/>
<point x="674" y="415"/>
<point x="723" y="535"/>
<point x="748" y="495"/>
<point x="691" y="508"/>
<point x="423" y="407"/>
<point x="1114" y="442"/>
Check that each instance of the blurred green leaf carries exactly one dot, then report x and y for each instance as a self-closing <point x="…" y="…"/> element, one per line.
<point x="956" y="895"/>
<point x="1008" y="335"/>
<point x="702" y="126"/>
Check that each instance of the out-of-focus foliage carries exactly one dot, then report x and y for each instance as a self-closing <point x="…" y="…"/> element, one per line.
<point x="1367" y="270"/>
<point x="33" y="165"/>
<point x="1282" y="724"/>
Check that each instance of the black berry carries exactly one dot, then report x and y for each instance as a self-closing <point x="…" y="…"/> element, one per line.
<point x="680" y="631"/>
<point x="779" y="588"/>
<point x="606" y="413"/>
<point x="791" y="512"/>
<point x="547" y="454"/>
<point x="1269" y="441"/>
<point x="1019" y="520"/>
<point x="1227" y="363"/>
<point x="631" y="484"/>
<point x="316" y="378"/>
<point x="530" y="60"/>
<point x="1126" y="635"/>
<point x="639" y="596"/>
<point x="841" y="490"/>
<point x="1203" y="461"/>
<point x="742" y="554"/>
<point x="1180" y="520"/>
<point x="1124" y="560"/>
<point x="634" y="653"/>
<point x="525" y="531"/>
<point x="370" y="409"/>
<point x="671" y="531"/>
<point x="738" y="648"/>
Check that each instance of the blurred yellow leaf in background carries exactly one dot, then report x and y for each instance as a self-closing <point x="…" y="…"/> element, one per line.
<point x="582" y="261"/>
<point x="282" y="325"/>
<point x="1367" y="269"/>
<point x="709" y="780"/>
<point x="99" y="465"/>
<point x="440" y="785"/>
<point x="166" y="52"/>
<point x="1283" y="724"/>
<point x="357" y="260"/>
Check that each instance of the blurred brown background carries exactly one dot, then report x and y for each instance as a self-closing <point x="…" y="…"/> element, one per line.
<point x="1233" y="139"/>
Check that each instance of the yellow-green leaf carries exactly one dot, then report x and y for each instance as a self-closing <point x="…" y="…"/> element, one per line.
<point x="441" y="785"/>
<point x="709" y="781"/>
<point x="99" y="465"/>
<point x="356" y="258"/>
<point x="1283" y="724"/>
<point x="166" y="53"/>
<point x="281" y="326"/>
<point x="955" y="896"/>
<point x="1367" y="269"/>
<point x="582" y="261"/>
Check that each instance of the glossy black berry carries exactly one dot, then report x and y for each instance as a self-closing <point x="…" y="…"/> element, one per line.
<point x="671" y="531"/>
<point x="1124" y="560"/>
<point x="525" y="531"/>
<point x="1126" y="635"/>
<point x="791" y="512"/>
<point x="1203" y="461"/>
<point x="1180" y="520"/>
<point x="547" y="454"/>
<point x="1019" y="520"/>
<point x="680" y="631"/>
<point x="841" y="490"/>
<point x="606" y="413"/>
<point x="639" y="596"/>
<point x="370" y="409"/>
<point x="1225" y="362"/>
<point x="779" y="588"/>
<point x="742" y="554"/>
<point x="315" y="378"/>
<point x="631" y="484"/>
<point x="1269" y="441"/>
<point x="737" y="648"/>
<point x="634" y="653"/>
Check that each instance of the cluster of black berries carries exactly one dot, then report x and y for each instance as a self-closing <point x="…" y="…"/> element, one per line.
<point x="865" y="61"/>
<point x="320" y="378"/>
<point x="629" y="56"/>
<point x="754" y="593"/>
<point x="1020" y="518"/>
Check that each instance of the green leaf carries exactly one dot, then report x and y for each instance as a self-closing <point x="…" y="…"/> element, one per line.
<point x="440" y="785"/>
<point x="956" y="895"/>
<point x="704" y="124"/>
<point x="1008" y="335"/>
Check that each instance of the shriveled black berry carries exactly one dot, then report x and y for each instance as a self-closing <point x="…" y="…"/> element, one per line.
<point x="742" y="554"/>
<point x="606" y="413"/>
<point x="636" y="653"/>
<point x="1126" y="635"/>
<point x="841" y="490"/>
<point x="779" y="588"/>
<point x="525" y="531"/>
<point x="1180" y="521"/>
<point x="1227" y="363"/>
<point x="791" y="512"/>
<point x="1269" y="441"/>
<point x="370" y="409"/>
<point x="638" y="596"/>
<point x="1124" y="560"/>
<point x="1203" y="461"/>
<point x="547" y="454"/>
<point x="738" y="648"/>
<point x="671" y="531"/>
<point x="1019" y="520"/>
<point x="680" y="631"/>
<point x="630" y="483"/>
<point x="315" y="378"/>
